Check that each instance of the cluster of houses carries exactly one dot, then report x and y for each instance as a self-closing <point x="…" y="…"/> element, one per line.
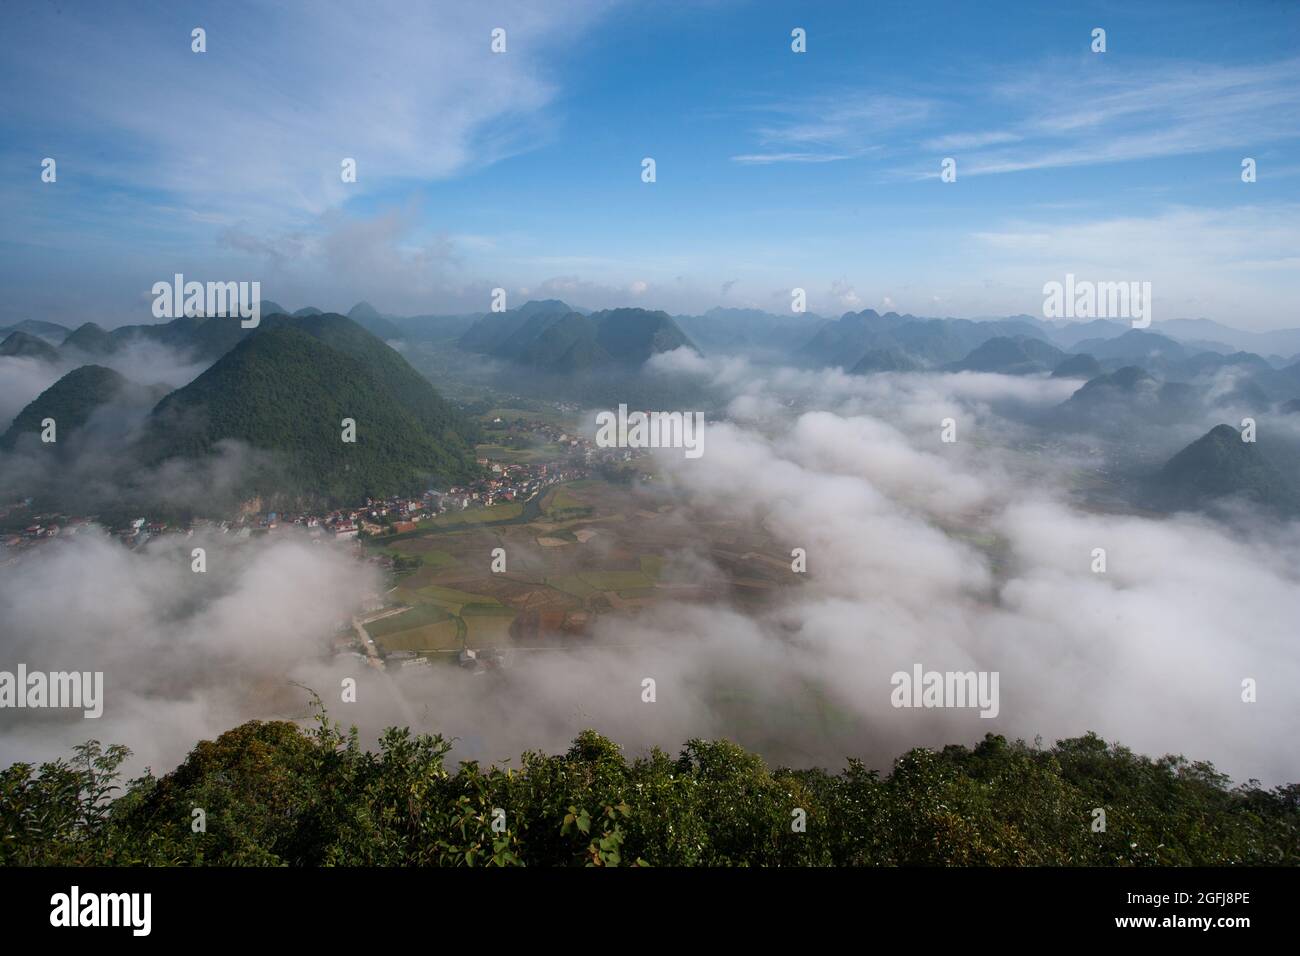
<point x="45" y="526"/>
<point x="507" y="483"/>
<point x="397" y="514"/>
<point x="503" y="482"/>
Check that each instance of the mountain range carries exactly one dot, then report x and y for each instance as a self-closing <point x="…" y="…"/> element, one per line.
<point x="551" y="337"/>
<point x="284" y="389"/>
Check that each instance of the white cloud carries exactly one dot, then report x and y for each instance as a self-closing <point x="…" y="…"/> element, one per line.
<point x="255" y="129"/>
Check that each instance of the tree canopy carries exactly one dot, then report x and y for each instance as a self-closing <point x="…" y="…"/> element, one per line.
<point x="272" y="793"/>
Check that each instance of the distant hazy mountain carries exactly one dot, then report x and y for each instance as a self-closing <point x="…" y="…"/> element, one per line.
<point x="203" y="338"/>
<point x="548" y="307"/>
<point x="1244" y="393"/>
<point x="884" y="360"/>
<point x="1021" y="355"/>
<point x="267" y="307"/>
<point x="1209" y="363"/>
<point x="1218" y="465"/>
<point x="545" y="337"/>
<point x="286" y="388"/>
<point x="1279" y="341"/>
<point x="22" y="344"/>
<point x="363" y="310"/>
<point x="631" y="336"/>
<point x="750" y="330"/>
<point x="495" y="329"/>
<point x="435" y="328"/>
<point x="1278" y="384"/>
<point x="51" y="332"/>
<point x="1077" y="366"/>
<point x="70" y="402"/>
<point x="1135" y="345"/>
<point x="1068" y="334"/>
<point x="368" y="317"/>
<point x="844" y="341"/>
<point x="89" y="338"/>
<point x="1128" y="396"/>
<point x="306" y="311"/>
<point x="928" y="342"/>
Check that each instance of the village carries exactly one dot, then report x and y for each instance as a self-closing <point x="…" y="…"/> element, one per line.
<point x="397" y="514"/>
<point x="522" y="458"/>
<point x="505" y="479"/>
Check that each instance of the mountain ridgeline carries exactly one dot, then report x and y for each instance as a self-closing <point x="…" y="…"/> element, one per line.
<point x="551" y="337"/>
<point x="20" y="344"/>
<point x="285" y="386"/>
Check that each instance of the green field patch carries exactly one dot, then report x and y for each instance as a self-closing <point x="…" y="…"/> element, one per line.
<point x="485" y="610"/>
<point x="450" y="596"/>
<point x="471" y="516"/>
<point x="425" y="627"/>
<point x="560" y="505"/>
<point x="550" y="416"/>
<point x="424" y="549"/>
<point x="438" y="560"/>
<point x="528" y="455"/>
<point x="572" y="584"/>
<point x="616" y="580"/>
<point x="634" y="593"/>
<point x="417" y="616"/>
<point x="442" y="636"/>
<point x="652" y="566"/>
<point x="482" y="628"/>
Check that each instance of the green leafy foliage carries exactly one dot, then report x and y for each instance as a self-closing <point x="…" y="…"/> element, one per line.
<point x="274" y="794"/>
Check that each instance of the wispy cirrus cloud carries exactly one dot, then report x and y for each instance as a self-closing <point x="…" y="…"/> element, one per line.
<point x="766" y="159"/>
<point x="1077" y="115"/>
<point x="830" y="128"/>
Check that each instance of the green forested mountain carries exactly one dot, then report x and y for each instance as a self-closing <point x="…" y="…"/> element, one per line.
<point x="884" y="360"/>
<point x="1126" y="396"/>
<point x="368" y="317"/>
<point x="25" y="345"/>
<point x="929" y="342"/>
<point x="729" y="330"/>
<point x="1077" y="366"/>
<point x="89" y="338"/>
<point x="1217" y="465"/>
<point x="1010" y="355"/>
<point x="631" y="336"/>
<point x="70" y="402"/>
<point x="550" y="337"/>
<point x="495" y="330"/>
<point x="205" y="338"/>
<point x="411" y="389"/>
<point x="276" y="795"/>
<point x="286" y="389"/>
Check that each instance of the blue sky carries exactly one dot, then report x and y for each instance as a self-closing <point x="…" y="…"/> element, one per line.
<point x="774" y="169"/>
